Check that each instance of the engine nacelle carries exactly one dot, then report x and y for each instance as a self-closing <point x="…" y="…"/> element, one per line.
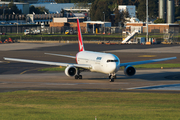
<point x="71" y="71"/>
<point x="129" y="70"/>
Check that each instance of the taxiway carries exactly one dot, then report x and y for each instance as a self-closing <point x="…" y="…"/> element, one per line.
<point x="25" y="76"/>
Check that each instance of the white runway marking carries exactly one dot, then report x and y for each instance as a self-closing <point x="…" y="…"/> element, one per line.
<point x="53" y="83"/>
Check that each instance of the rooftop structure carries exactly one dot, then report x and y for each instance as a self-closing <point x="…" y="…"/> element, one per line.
<point x="55" y="7"/>
<point x="131" y="9"/>
<point x="153" y="28"/>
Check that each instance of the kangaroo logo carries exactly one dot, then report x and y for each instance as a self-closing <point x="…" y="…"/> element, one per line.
<point x="81" y="46"/>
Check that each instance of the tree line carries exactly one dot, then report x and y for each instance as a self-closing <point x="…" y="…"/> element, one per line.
<point x="101" y="8"/>
<point x="108" y="7"/>
<point x="10" y="9"/>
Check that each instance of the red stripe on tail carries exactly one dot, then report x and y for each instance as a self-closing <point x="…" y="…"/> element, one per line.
<point x="80" y="40"/>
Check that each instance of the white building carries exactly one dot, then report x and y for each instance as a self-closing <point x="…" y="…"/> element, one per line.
<point x="131" y="9"/>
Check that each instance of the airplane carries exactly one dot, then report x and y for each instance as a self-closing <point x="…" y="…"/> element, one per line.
<point x="106" y="63"/>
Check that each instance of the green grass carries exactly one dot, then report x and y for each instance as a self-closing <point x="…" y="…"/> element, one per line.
<point x="144" y="66"/>
<point x="58" y="105"/>
<point x="72" y="37"/>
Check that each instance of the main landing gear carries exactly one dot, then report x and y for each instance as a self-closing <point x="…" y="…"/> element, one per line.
<point x="112" y="77"/>
<point x="78" y="76"/>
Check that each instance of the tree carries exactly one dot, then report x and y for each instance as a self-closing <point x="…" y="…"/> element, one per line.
<point x="93" y="9"/>
<point x="152" y="12"/>
<point x="42" y="10"/>
<point x="159" y="20"/>
<point x="119" y="17"/>
<point x="141" y="11"/>
<point x="98" y="9"/>
<point x="38" y="10"/>
<point x="81" y="4"/>
<point x="13" y="8"/>
<point x="153" y="9"/>
<point x="177" y="12"/>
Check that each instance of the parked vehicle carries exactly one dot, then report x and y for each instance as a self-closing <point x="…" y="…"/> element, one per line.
<point x="70" y="32"/>
<point x="2" y="33"/>
<point x="33" y="32"/>
<point x="26" y="32"/>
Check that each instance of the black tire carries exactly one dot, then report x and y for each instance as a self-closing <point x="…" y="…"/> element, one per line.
<point x="80" y="76"/>
<point x="110" y="76"/>
<point x="76" y="76"/>
<point x="111" y="80"/>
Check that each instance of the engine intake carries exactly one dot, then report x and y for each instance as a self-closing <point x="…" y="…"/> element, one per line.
<point x="71" y="71"/>
<point x="129" y="70"/>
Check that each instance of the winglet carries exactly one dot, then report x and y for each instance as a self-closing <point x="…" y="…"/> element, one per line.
<point x="80" y="39"/>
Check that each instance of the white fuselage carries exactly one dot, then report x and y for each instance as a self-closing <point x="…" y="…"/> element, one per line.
<point x="101" y="62"/>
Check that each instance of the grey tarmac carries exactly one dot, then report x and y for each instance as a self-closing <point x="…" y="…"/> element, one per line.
<point x="90" y="81"/>
<point x="24" y="76"/>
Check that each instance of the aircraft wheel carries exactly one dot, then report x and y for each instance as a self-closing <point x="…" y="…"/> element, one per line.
<point x="111" y="80"/>
<point x="80" y="76"/>
<point x="114" y="77"/>
<point x="76" y="76"/>
<point x="110" y="76"/>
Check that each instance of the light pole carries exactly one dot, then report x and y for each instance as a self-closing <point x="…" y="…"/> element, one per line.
<point x="17" y="21"/>
<point x="53" y="24"/>
<point x="104" y="22"/>
<point x="147" y="36"/>
<point x="3" y="13"/>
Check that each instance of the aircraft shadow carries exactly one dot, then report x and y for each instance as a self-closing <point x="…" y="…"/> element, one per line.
<point x="149" y="77"/>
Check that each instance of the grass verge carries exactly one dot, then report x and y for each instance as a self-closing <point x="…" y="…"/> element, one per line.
<point x="62" y="105"/>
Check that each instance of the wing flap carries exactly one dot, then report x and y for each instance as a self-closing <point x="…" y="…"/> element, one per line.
<point x="147" y="61"/>
<point x="85" y="66"/>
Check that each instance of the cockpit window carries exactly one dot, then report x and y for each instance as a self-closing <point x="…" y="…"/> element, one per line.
<point x="112" y="60"/>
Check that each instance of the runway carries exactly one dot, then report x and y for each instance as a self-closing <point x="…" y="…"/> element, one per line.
<point x="90" y="81"/>
<point x="24" y="76"/>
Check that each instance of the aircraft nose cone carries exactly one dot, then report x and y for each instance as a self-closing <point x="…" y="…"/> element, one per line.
<point x="112" y="68"/>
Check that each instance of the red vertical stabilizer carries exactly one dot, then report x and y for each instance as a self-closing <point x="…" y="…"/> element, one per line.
<point x="80" y="39"/>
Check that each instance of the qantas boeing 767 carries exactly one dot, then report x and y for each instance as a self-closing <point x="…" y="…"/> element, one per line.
<point x="94" y="61"/>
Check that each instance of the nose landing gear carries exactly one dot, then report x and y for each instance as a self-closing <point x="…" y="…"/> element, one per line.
<point x="112" y="77"/>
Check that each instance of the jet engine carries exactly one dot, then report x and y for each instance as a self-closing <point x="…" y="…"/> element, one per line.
<point x="129" y="70"/>
<point x="71" y="71"/>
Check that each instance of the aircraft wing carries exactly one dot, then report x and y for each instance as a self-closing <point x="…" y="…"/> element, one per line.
<point x="85" y="66"/>
<point x="61" y="55"/>
<point x="147" y="61"/>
